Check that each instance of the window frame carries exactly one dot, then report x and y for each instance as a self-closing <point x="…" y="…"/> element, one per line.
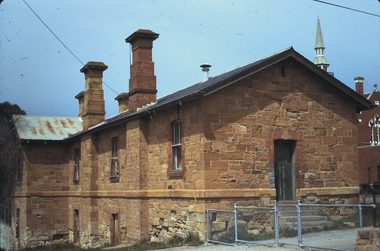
<point x="176" y="150"/>
<point x="114" y="159"/>
<point x="176" y="146"/>
<point x="76" y="165"/>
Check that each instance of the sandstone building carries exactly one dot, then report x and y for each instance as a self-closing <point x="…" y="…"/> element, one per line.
<point x="279" y="128"/>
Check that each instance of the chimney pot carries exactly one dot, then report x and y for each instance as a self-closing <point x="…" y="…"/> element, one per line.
<point x="205" y="68"/>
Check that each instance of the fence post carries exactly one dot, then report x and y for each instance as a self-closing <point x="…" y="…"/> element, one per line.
<point x="360" y="216"/>
<point x="236" y="223"/>
<point x="299" y="223"/>
<point x="276" y="227"/>
<point x="374" y="215"/>
<point x="207" y="226"/>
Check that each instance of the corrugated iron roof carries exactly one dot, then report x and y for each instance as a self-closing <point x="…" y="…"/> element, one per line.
<point x="46" y="127"/>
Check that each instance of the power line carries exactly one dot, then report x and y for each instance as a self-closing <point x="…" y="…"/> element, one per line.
<point x="67" y="48"/>
<point x="344" y="7"/>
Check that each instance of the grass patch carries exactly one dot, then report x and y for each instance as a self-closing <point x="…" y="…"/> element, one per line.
<point x="262" y="234"/>
<point x="191" y="239"/>
<point x="57" y="247"/>
<point x="142" y="246"/>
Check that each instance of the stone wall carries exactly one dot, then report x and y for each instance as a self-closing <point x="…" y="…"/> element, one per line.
<point x="368" y="240"/>
<point x="40" y="215"/>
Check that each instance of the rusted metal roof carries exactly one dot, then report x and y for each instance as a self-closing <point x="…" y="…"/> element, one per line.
<point x="46" y="127"/>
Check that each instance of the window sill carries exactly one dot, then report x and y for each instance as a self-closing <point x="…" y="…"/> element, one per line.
<point x="114" y="179"/>
<point x="176" y="174"/>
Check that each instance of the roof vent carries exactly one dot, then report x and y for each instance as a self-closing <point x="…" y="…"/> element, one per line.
<point x="205" y="68"/>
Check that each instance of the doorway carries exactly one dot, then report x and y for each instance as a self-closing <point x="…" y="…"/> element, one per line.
<point x="114" y="229"/>
<point x="284" y="170"/>
<point x="76" y="227"/>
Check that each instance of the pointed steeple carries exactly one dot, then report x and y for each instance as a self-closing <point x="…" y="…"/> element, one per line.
<point x="319" y="47"/>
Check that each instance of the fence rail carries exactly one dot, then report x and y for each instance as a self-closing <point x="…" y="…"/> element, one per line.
<point x="323" y="226"/>
<point x="5" y="215"/>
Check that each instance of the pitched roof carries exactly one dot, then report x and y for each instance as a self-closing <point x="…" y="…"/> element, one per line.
<point x="46" y="127"/>
<point x="218" y="82"/>
<point x="368" y="95"/>
<point x="227" y="78"/>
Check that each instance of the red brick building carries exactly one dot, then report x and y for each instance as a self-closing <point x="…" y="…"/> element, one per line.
<point x="369" y="136"/>
<point x="279" y="128"/>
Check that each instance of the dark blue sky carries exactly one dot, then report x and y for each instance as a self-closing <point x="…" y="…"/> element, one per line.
<point x="40" y="75"/>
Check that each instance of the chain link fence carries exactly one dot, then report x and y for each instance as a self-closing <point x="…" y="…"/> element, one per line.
<point x="324" y="226"/>
<point x="221" y="226"/>
<point x="333" y="223"/>
<point x="256" y="225"/>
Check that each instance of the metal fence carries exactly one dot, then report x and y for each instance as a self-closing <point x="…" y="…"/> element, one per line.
<point x="323" y="226"/>
<point x="221" y="226"/>
<point x="256" y="225"/>
<point x="5" y="214"/>
<point x="335" y="225"/>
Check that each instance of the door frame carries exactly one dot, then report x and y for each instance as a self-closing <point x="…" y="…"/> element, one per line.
<point x="76" y="226"/>
<point x="278" y="181"/>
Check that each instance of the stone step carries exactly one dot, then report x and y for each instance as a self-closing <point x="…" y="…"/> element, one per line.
<point x="304" y="219"/>
<point x="310" y="218"/>
<point x="308" y="224"/>
<point x="294" y="213"/>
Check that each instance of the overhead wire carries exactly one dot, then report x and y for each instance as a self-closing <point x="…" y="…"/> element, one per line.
<point x="344" y="7"/>
<point x="64" y="45"/>
<point x="73" y="54"/>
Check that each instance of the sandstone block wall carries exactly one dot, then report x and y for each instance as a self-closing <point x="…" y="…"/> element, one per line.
<point x="39" y="216"/>
<point x="368" y="240"/>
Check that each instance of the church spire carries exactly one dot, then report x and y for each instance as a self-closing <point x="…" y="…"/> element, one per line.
<point x="319" y="47"/>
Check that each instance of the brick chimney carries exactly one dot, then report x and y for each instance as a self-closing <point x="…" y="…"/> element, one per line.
<point x="93" y="110"/>
<point x="80" y="97"/>
<point x="142" y="82"/>
<point x="359" y="85"/>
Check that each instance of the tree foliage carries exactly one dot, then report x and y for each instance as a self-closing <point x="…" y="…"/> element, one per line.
<point x="11" y="151"/>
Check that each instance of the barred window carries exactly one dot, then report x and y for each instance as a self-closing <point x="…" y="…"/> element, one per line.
<point x="114" y="159"/>
<point x="76" y="165"/>
<point x="176" y="146"/>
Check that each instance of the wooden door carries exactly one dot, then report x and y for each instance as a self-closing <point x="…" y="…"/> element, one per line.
<point x="76" y="227"/>
<point x="284" y="173"/>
